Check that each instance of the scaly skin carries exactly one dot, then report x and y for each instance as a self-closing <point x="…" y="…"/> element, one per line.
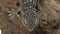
<point x="30" y="16"/>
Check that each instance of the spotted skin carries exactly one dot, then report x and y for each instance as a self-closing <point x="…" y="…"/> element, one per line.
<point x="30" y="17"/>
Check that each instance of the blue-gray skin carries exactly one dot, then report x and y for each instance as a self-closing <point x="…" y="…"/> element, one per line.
<point x="30" y="16"/>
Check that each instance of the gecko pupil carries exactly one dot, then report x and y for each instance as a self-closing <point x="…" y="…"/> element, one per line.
<point x="17" y="4"/>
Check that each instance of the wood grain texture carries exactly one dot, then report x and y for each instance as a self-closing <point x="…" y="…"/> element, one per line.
<point x="50" y="9"/>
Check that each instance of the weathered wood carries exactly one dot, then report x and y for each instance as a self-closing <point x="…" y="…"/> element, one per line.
<point x="51" y="14"/>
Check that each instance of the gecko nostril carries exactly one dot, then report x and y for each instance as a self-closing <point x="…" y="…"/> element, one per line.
<point x="55" y="26"/>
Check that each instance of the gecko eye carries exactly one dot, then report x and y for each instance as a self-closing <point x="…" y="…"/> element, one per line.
<point x="17" y="4"/>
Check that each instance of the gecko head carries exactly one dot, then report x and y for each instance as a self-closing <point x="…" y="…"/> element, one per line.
<point x="30" y="20"/>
